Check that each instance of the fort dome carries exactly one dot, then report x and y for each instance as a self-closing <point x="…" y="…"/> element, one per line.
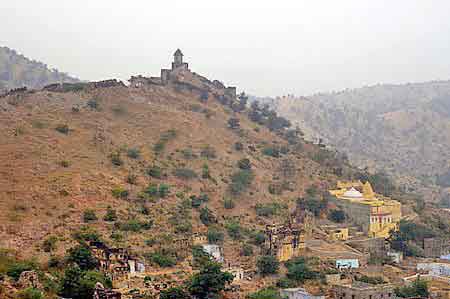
<point x="352" y="193"/>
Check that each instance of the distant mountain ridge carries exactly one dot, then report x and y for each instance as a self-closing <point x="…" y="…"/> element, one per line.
<point x="18" y="71"/>
<point x="403" y="130"/>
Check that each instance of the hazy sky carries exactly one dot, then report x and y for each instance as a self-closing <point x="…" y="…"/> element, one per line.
<point x="263" y="47"/>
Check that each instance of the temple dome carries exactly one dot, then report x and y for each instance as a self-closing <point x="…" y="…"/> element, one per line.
<point x="352" y="193"/>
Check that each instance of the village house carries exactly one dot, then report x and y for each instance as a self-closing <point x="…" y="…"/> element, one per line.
<point x="333" y="279"/>
<point x="376" y="214"/>
<point x="199" y="239"/>
<point x="284" y="241"/>
<point x="336" y="233"/>
<point x="347" y="263"/>
<point x="437" y="269"/>
<point x="100" y="292"/>
<point x="361" y="290"/>
<point x="215" y="251"/>
<point x="116" y="262"/>
<point x="396" y="257"/>
<point x="435" y="247"/>
<point x="237" y="272"/>
<point x="298" y="293"/>
<point x="288" y="240"/>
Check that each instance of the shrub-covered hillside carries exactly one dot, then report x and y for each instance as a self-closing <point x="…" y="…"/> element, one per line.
<point x="17" y="71"/>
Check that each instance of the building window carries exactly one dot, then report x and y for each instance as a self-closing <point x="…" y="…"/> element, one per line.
<point x="353" y="296"/>
<point x="389" y="295"/>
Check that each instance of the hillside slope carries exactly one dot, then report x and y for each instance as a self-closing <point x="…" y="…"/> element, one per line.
<point x="64" y="153"/>
<point x="403" y="130"/>
<point x="17" y="71"/>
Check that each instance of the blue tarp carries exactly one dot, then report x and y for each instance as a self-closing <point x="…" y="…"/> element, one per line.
<point x="445" y="257"/>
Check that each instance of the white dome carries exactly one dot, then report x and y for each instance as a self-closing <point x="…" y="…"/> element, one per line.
<point x="353" y="193"/>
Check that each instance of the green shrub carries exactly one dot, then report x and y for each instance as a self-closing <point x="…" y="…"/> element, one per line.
<point x="209" y="282"/>
<point x="30" y="293"/>
<point x="54" y="262"/>
<point x="131" y="179"/>
<point x="120" y="192"/>
<point x="159" y="146"/>
<point x="234" y="230"/>
<point x="64" y="163"/>
<point x="207" y="217"/>
<point x="111" y="215"/>
<point x="86" y="234"/>
<point x="119" y="110"/>
<point x="418" y="289"/>
<point x="371" y="279"/>
<point x="299" y="271"/>
<point x="89" y="215"/>
<point x="269" y="209"/>
<point x="164" y="138"/>
<point x="116" y="160"/>
<point x="247" y="250"/>
<point x="162" y="260"/>
<point x="155" y="172"/>
<point x="240" y="181"/>
<point x="133" y="153"/>
<point x="16" y="268"/>
<point x="78" y="284"/>
<point x="185" y="173"/>
<point x="174" y="293"/>
<point x="337" y="216"/>
<point x="116" y="236"/>
<point x="164" y="190"/>
<point x="238" y="146"/>
<point x="268" y="293"/>
<point x="49" y="244"/>
<point x="205" y="172"/>
<point x="272" y="151"/>
<point x="258" y="238"/>
<point x="93" y="104"/>
<point x="82" y="256"/>
<point x="215" y="235"/>
<point x="244" y="164"/>
<point x="228" y="203"/>
<point x="234" y="123"/>
<point x="314" y="205"/>
<point x="188" y="154"/>
<point x="208" y="152"/>
<point x="134" y="225"/>
<point x="267" y="265"/>
<point x="62" y="128"/>
<point x="197" y="201"/>
<point x="183" y="227"/>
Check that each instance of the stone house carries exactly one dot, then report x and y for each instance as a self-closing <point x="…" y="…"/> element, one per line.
<point x="397" y="257"/>
<point x="284" y="241"/>
<point x="361" y="290"/>
<point x="100" y="292"/>
<point x="199" y="239"/>
<point x="333" y="279"/>
<point x="237" y="272"/>
<point x="298" y="293"/>
<point x="435" y="247"/>
<point x="215" y="251"/>
<point x="438" y="269"/>
<point x="347" y="263"/>
<point x="116" y="262"/>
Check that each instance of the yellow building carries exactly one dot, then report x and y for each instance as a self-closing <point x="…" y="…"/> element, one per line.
<point x="339" y="234"/>
<point x="376" y="214"/>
